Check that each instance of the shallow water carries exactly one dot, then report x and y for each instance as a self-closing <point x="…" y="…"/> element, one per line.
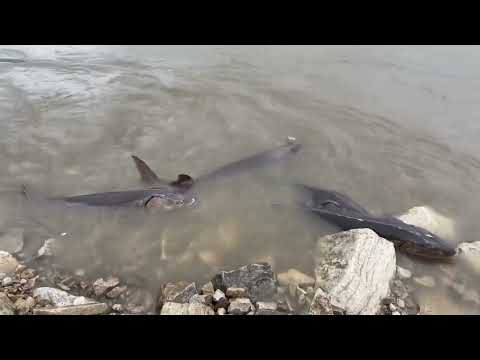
<point x="392" y="126"/>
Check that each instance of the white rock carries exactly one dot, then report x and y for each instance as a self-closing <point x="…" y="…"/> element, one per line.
<point x="7" y="281"/>
<point x="59" y="297"/>
<point x="266" y="308"/>
<point x="403" y="274"/>
<point x="470" y="254"/>
<point x="171" y="308"/>
<point x="355" y="269"/>
<point x="221" y="311"/>
<point x="85" y="309"/>
<point x="429" y="219"/>
<point x="8" y="263"/>
<point x="12" y="240"/>
<point x="240" y="306"/>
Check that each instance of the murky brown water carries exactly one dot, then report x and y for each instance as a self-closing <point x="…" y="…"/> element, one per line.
<point x="393" y="127"/>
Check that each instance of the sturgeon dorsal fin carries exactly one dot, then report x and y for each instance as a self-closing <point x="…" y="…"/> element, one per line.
<point x="148" y="175"/>
<point x="183" y="181"/>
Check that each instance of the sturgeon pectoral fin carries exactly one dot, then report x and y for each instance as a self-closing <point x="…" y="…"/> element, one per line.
<point x="147" y="175"/>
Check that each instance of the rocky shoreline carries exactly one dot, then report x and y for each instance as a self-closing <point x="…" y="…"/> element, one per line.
<point x="356" y="273"/>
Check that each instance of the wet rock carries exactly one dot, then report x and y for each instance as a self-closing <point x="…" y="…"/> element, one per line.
<point x="173" y="308"/>
<point x="7" y="281"/>
<point x="202" y="299"/>
<point x="219" y="299"/>
<point x="257" y="278"/>
<point x="221" y="311"/>
<point x="321" y="304"/>
<point x="240" y="306"/>
<point x="23" y="281"/>
<point x="59" y="298"/>
<point x="403" y="274"/>
<point x="6" y="305"/>
<point x="101" y="286"/>
<point x="117" y="307"/>
<point x="233" y="292"/>
<point x="295" y="277"/>
<point x="50" y="247"/>
<point x="469" y="253"/>
<point x="396" y="313"/>
<point x="116" y="292"/>
<point x="429" y="219"/>
<point x="180" y="292"/>
<point x="392" y="307"/>
<point x="355" y="269"/>
<point x="12" y="241"/>
<point x="426" y="281"/>
<point x="8" y="263"/>
<point x="24" y="306"/>
<point x="87" y="309"/>
<point x="208" y="289"/>
<point x="196" y="308"/>
<point x="266" y="308"/>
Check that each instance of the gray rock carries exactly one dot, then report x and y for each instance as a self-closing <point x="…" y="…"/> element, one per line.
<point x="321" y="304"/>
<point x="233" y="292"/>
<point x="355" y="269"/>
<point x="173" y="308"/>
<point x="86" y="309"/>
<point x="117" y="307"/>
<point x="6" y="305"/>
<point x="208" y="289"/>
<point x="266" y="308"/>
<point x="7" y="281"/>
<point x="295" y="277"/>
<point x="59" y="298"/>
<point x="8" y="263"/>
<point x="101" y="286"/>
<point x="219" y="299"/>
<point x="12" y="241"/>
<point x="426" y="281"/>
<point x="116" y="292"/>
<point x="240" y="306"/>
<point x="257" y="278"/>
<point x="202" y="299"/>
<point x="403" y="274"/>
<point x="24" y="306"/>
<point x="196" y="308"/>
<point x="180" y="292"/>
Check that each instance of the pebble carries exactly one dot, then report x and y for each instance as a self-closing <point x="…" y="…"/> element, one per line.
<point x="392" y="307"/>
<point x="116" y="292"/>
<point x="427" y="281"/>
<point x="219" y="299"/>
<point x="101" y="286"/>
<point x="117" y="307"/>
<point x="403" y="274"/>
<point x="172" y="308"/>
<point x="87" y="309"/>
<point x="221" y="311"/>
<point x="266" y="308"/>
<point x="240" y="306"/>
<point x="20" y="268"/>
<point x="28" y="273"/>
<point x="7" y="281"/>
<point x="396" y="313"/>
<point x="233" y="292"/>
<point x="207" y="289"/>
<point x="23" y="281"/>
<point x="202" y="299"/>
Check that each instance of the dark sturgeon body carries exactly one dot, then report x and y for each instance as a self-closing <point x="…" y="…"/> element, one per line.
<point x="343" y="212"/>
<point x="162" y="193"/>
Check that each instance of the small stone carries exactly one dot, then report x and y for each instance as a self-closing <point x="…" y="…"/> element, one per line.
<point x="240" y="306"/>
<point x="12" y="241"/>
<point x="202" y="299"/>
<point x="396" y="313"/>
<point x="20" y="268"/>
<point x="8" y="263"/>
<point x="28" y="273"/>
<point x="6" y="305"/>
<point x="293" y="276"/>
<point x="233" y="292"/>
<point x="321" y="304"/>
<point x="173" y="308"/>
<point x="23" y="281"/>
<point x="403" y="274"/>
<point x="7" y="281"/>
<point x="219" y="299"/>
<point x="208" y="289"/>
<point x="80" y="272"/>
<point x="117" y="307"/>
<point x="101" y="286"/>
<point x="87" y="309"/>
<point x="392" y="307"/>
<point x="266" y="308"/>
<point x="401" y="303"/>
<point x="221" y="311"/>
<point x="24" y="306"/>
<point x="427" y="281"/>
<point x="196" y="308"/>
<point x="116" y="292"/>
<point x="251" y="313"/>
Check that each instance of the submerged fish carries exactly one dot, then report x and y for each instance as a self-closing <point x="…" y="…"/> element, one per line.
<point x="343" y="212"/>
